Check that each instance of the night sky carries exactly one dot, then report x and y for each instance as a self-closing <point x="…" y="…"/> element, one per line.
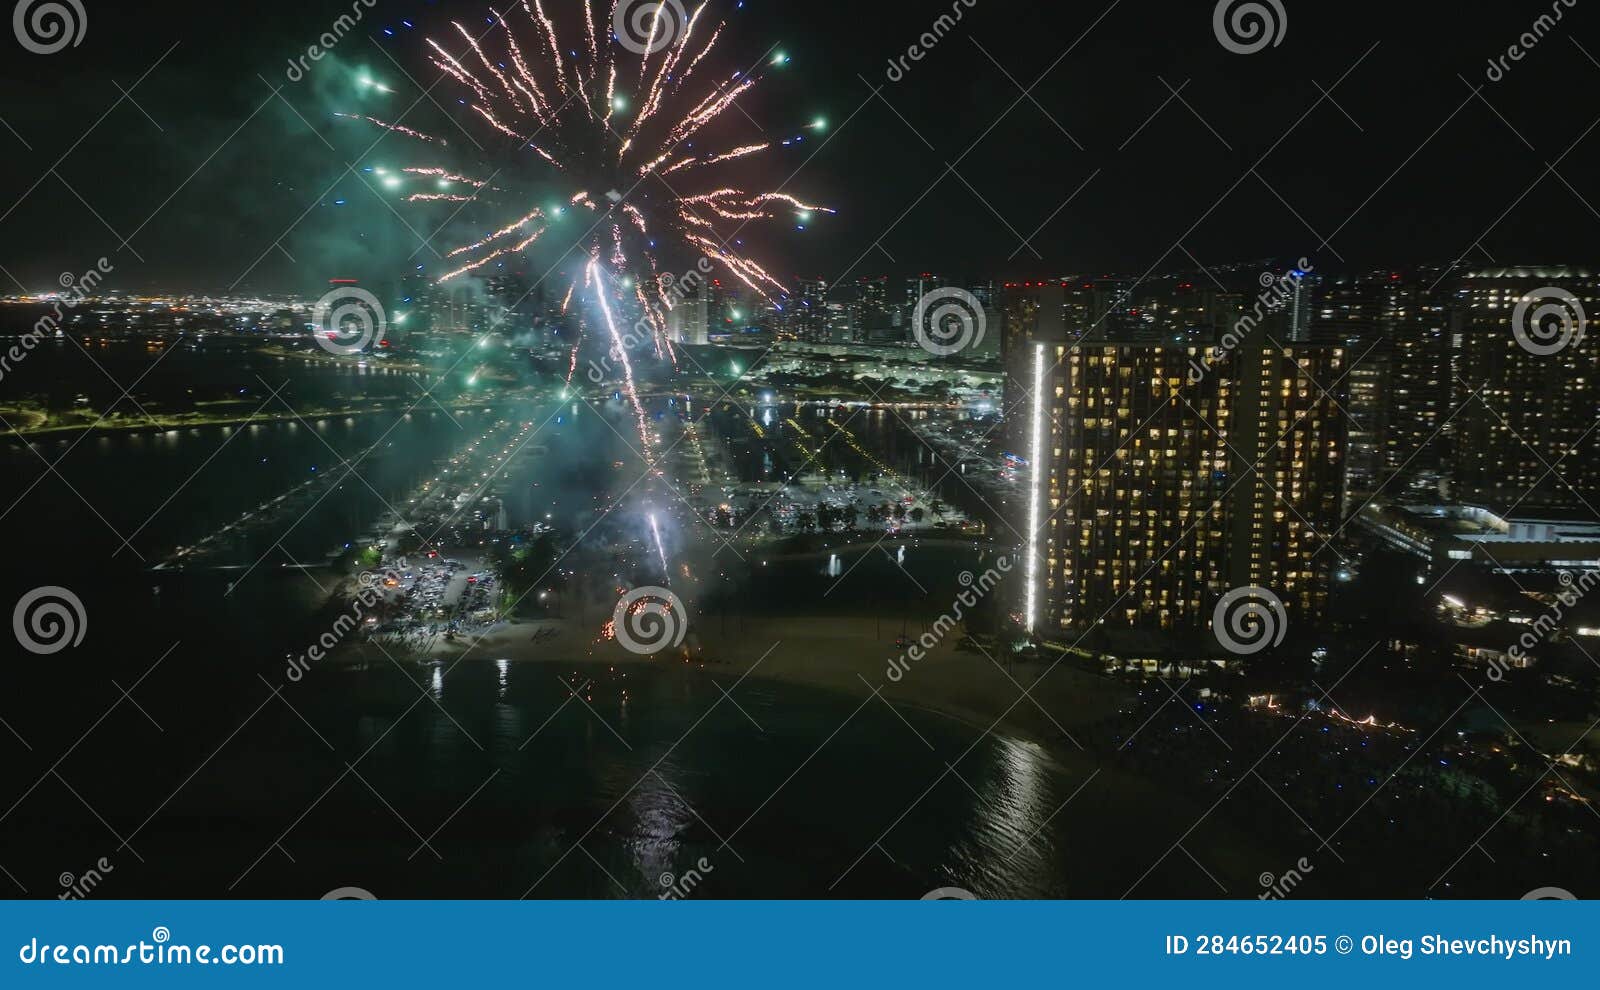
<point x="203" y="169"/>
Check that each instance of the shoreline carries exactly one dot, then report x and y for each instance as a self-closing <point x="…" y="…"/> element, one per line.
<point x="841" y="655"/>
<point x="129" y="428"/>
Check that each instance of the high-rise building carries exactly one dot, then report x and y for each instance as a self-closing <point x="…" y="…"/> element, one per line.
<point x="1395" y="329"/>
<point x="870" y="318"/>
<point x="839" y="323"/>
<point x="688" y="321"/>
<point x="1030" y="313"/>
<point x="1413" y="352"/>
<point x="1526" y="394"/>
<point x="412" y="312"/>
<point x="1300" y="306"/>
<point x="983" y="291"/>
<point x="809" y="311"/>
<point x="511" y="302"/>
<point x="920" y="285"/>
<point x="725" y="310"/>
<point x="1157" y="491"/>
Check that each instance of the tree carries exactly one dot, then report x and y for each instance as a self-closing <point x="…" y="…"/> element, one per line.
<point x="917" y="514"/>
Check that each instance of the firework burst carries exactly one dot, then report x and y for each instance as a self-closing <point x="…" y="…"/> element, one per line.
<point x="615" y="107"/>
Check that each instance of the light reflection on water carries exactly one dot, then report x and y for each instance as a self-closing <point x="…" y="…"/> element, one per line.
<point x="654" y="774"/>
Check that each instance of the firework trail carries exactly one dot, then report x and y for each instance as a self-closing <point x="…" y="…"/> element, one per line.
<point x="661" y="548"/>
<point x="620" y="348"/>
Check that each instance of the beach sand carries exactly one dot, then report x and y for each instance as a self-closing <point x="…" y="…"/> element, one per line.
<point x="849" y="655"/>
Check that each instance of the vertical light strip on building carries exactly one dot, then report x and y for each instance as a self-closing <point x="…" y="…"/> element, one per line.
<point x="1036" y="463"/>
